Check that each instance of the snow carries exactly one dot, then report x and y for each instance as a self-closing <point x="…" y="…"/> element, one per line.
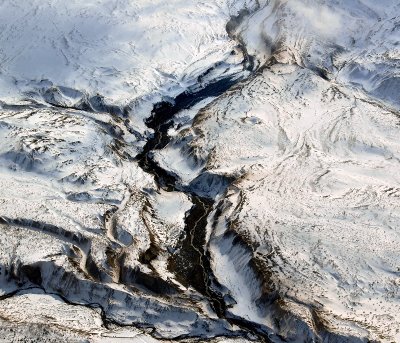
<point x="301" y="158"/>
<point x="318" y="185"/>
<point x="121" y="50"/>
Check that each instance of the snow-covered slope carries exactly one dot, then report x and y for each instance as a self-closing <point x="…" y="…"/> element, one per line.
<point x="315" y="204"/>
<point x="200" y="169"/>
<point x="121" y="50"/>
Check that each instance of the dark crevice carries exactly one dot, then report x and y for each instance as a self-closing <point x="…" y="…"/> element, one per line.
<point x="190" y="262"/>
<point x="161" y="120"/>
<point x="231" y="26"/>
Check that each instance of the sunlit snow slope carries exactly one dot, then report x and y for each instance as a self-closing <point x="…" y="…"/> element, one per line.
<point x="223" y="171"/>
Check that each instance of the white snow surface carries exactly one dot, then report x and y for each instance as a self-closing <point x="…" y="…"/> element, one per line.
<point x="304" y="237"/>
<point x="120" y="49"/>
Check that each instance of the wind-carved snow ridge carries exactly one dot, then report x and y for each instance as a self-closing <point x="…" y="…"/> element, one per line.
<point x="221" y="171"/>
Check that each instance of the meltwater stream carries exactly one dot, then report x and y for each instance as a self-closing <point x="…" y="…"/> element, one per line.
<point x="190" y="263"/>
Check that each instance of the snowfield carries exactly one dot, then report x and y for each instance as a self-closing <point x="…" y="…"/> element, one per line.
<point x="222" y="171"/>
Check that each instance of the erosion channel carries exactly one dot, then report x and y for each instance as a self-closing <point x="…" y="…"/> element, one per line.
<point x="190" y="262"/>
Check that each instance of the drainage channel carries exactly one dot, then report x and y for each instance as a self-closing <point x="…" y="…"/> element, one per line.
<point x="190" y="263"/>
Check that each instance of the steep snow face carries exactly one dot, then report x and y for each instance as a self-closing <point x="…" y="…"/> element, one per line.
<point x="192" y="170"/>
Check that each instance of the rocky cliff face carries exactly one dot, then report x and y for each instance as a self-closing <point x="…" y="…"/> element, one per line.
<point x="222" y="171"/>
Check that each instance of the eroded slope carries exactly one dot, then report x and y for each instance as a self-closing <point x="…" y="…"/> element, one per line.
<point x="234" y="178"/>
